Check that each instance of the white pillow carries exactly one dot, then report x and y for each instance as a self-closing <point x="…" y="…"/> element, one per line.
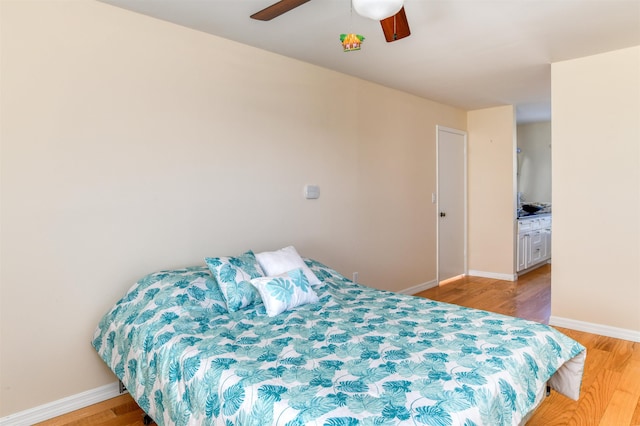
<point x="284" y="260"/>
<point x="285" y="291"/>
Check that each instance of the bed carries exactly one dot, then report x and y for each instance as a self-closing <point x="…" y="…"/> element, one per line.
<point x="354" y="356"/>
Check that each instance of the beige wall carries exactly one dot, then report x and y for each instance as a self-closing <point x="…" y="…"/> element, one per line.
<point x="396" y="220"/>
<point x="534" y="161"/>
<point x="131" y="144"/>
<point x="491" y="196"/>
<point x="596" y="189"/>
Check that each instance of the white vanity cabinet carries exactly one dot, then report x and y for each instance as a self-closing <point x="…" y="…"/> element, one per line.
<point x="534" y="241"/>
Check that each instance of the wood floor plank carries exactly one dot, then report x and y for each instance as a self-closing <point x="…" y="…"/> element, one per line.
<point x="554" y="410"/>
<point x="119" y="411"/>
<point x="624" y="401"/>
<point x="595" y="358"/>
<point x="621" y="355"/>
<point x="104" y="409"/>
<point x="595" y="399"/>
<point x="635" y="420"/>
<point x="635" y="355"/>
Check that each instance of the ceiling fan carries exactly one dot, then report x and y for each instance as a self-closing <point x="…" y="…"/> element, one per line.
<point x="394" y="27"/>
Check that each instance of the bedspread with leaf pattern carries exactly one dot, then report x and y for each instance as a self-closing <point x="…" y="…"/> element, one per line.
<point x="358" y="357"/>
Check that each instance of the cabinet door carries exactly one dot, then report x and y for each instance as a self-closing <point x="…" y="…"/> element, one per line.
<point x="523" y="244"/>
<point x="546" y="248"/>
<point x="536" y="247"/>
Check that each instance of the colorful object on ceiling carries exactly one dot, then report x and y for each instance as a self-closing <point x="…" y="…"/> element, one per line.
<point x="351" y="42"/>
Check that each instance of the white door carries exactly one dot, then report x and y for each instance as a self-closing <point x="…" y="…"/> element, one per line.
<point x="452" y="202"/>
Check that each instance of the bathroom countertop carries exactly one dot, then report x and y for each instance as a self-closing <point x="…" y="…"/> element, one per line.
<point x="525" y="215"/>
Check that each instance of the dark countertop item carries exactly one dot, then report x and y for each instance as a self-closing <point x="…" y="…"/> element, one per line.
<point x="523" y="214"/>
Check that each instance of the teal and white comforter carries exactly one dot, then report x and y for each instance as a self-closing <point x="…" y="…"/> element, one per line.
<point x="358" y="357"/>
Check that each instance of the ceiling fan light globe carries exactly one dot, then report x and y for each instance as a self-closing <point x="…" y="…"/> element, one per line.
<point x="377" y="9"/>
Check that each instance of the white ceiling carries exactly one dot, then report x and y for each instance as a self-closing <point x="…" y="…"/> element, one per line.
<point x="467" y="53"/>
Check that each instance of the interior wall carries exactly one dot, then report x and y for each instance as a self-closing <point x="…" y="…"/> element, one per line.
<point x="596" y="189"/>
<point x="130" y="145"/>
<point x="534" y="161"/>
<point x="491" y="191"/>
<point x="396" y="177"/>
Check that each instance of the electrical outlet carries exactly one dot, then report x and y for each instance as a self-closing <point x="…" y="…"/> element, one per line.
<point x="355" y="277"/>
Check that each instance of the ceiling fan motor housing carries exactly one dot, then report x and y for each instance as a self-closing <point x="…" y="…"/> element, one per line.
<point x="377" y="9"/>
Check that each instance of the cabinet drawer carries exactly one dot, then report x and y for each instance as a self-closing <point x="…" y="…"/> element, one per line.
<point x="536" y="253"/>
<point x="527" y="225"/>
<point x="536" y="237"/>
<point x="545" y="222"/>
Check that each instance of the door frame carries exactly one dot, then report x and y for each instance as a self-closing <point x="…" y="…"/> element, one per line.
<point x="465" y="202"/>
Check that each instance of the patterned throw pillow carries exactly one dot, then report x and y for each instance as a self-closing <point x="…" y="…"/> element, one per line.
<point x="233" y="275"/>
<point x="285" y="291"/>
<point x="284" y="260"/>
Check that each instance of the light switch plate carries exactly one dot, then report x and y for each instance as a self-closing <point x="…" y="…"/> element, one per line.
<point x="311" y="192"/>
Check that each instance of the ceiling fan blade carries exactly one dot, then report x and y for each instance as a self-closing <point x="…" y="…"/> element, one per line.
<point x="396" y="27"/>
<point x="277" y="9"/>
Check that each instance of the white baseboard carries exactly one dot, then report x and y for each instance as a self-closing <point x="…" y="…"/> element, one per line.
<point x="603" y="330"/>
<point x="61" y="406"/>
<point x="420" y="287"/>
<point x="493" y="275"/>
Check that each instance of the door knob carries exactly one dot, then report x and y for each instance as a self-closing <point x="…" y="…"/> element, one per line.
<point x="442" y="214"/>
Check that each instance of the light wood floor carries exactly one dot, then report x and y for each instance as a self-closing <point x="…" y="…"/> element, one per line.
<point x="610" y="394"/>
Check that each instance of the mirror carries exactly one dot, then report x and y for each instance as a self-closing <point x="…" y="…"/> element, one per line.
<point x="534" y="163"/>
